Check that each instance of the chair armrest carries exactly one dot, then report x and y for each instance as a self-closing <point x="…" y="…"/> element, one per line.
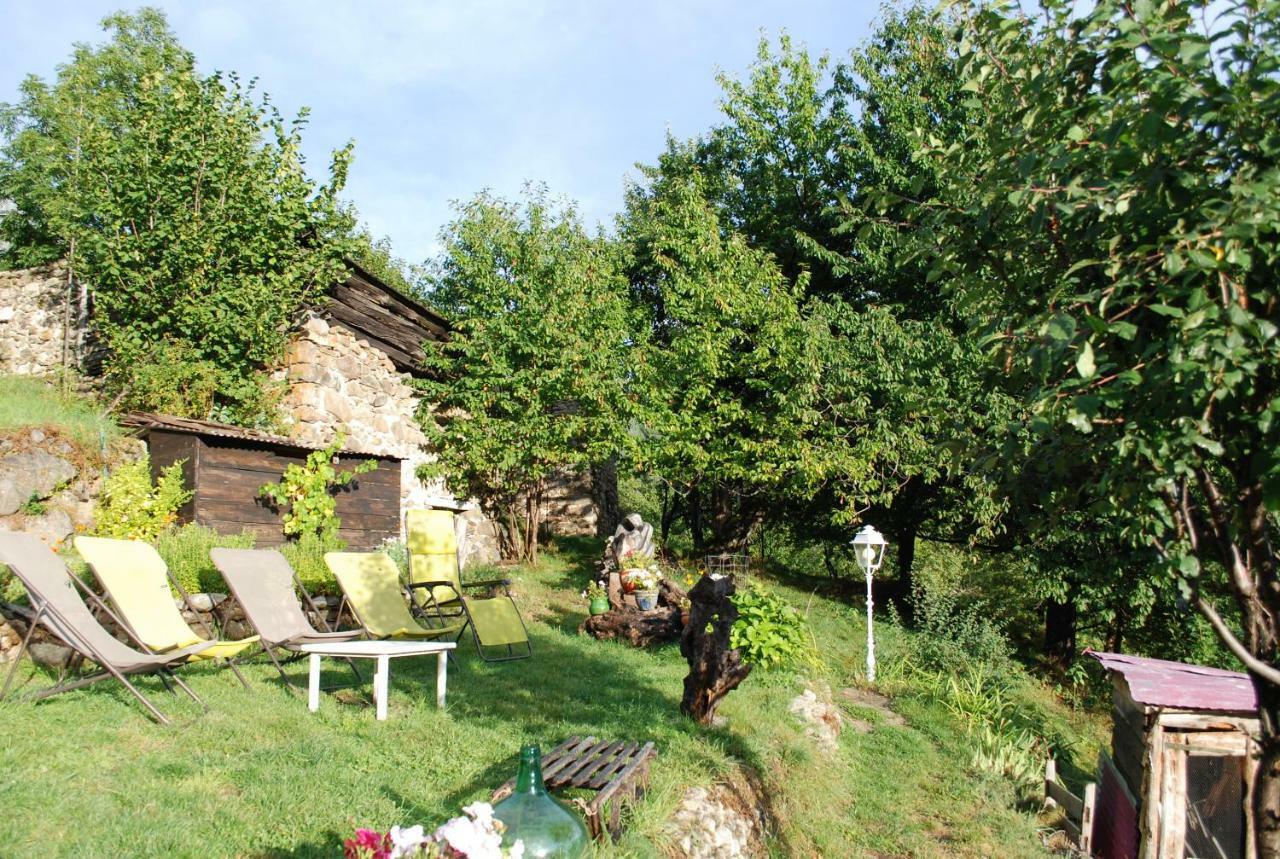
<point x="448" y="585"/>
<point x="490" y="583"/>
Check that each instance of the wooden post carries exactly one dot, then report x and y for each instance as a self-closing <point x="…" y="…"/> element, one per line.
<point x="715" y="669"/>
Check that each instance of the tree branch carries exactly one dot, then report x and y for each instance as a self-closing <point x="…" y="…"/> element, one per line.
<point x="1253" y="663"/>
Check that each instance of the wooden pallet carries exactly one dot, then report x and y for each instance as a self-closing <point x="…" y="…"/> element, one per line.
<point x="617" y="771"/>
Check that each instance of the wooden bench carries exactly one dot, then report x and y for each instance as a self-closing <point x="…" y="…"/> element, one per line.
<point x="615" y="770"/>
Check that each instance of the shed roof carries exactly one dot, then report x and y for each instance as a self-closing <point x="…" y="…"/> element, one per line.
<point x="390" y="321"/>
<point x="1161" y="683"/>
<point x="147" y="421"/>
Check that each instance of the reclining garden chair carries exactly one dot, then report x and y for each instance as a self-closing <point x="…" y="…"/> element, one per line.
<point x="56" y="604"/>
<point x="435" y="581"/>
<point x="137" y="582"/>
<point x="370" y="583"/>
<point x="262" y="582"/>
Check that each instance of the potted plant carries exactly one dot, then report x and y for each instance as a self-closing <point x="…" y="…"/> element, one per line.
<point x="597" y="598"/>
<point x="645" y="581"/>
<point x="632" y="564"/>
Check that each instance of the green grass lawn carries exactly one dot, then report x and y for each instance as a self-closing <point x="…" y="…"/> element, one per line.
<point x="87" y="774"/>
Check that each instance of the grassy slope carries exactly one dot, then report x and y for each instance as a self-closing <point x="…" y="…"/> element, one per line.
<point x="29" y="402"/>
<point x="87" y="774"/>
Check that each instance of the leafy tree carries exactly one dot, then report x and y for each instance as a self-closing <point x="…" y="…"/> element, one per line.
<point x="534" y="377"/>
<point x="728" y="379"/>
<point x="182" y="201"/>
<point x="1111" y="226"/>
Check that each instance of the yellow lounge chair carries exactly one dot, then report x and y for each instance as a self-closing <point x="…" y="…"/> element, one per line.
<point x="438" y="591"/>
<point x="370" y="583"/>
<point x="138" y="584"/>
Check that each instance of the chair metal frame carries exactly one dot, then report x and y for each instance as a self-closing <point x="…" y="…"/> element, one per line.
<point x="83" y="648"/>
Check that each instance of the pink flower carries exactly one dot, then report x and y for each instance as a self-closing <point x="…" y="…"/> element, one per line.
<point x="368" y="844"/>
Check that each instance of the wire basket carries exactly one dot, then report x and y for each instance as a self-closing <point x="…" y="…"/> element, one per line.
<point x="738" y="566"/>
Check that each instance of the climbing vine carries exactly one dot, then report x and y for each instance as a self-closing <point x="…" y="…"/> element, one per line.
<point x="305" y="493"/>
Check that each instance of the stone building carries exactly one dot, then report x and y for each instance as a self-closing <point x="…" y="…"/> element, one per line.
<point x="350" y="367"/>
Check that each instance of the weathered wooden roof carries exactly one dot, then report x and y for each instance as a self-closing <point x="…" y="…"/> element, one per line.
<point x="148" y="421"/>
<point x="392" y="322"/>
<point x="1161" y="683"/>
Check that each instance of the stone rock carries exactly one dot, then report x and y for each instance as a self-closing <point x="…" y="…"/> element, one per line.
<point x="53" y="527"/>
<point x="37" y="436"/>
<point x="706" y="827"/>
<point x="822" y="718"/>
<point x="31" y="473"/>
<point x="205" y="602"/>
<point x="49" y="653"/>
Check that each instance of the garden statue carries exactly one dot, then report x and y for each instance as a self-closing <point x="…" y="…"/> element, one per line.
<point x="633" y="536"/>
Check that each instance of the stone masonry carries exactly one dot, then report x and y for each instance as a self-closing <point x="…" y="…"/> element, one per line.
<point x="340" y="382"/>
<point x="33" y="306"/>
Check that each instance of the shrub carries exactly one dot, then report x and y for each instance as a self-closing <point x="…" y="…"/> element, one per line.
<point x="954" y="637"/>
<point x="186" y="551"/>
<point x="131" y="508"/>
<point x="768" y="631"/>
<point x="306" y="556"/>
<point x="305" y="492"/>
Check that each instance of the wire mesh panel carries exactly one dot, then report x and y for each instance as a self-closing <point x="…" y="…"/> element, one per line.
<point x="1215" y="807"/>
<point x="737" y="566"/>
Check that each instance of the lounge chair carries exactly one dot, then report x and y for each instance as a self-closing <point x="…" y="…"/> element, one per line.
<point x="56" y="604"/>
<point x="138" y="584"/>
<point x="435" y="580"/>
<point x="370" y="583"/>
<point x="262" y="582"/>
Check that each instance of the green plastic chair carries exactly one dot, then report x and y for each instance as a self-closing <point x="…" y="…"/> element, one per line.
<point x="370" y="583"/>
<point x="435" y="582"/>
<point x="137" y="581"/>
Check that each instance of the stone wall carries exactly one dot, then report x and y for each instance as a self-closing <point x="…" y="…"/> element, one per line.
<point x="33" y="306"/>
<point x="569" y="504"/>
<point x="338" y="381"/>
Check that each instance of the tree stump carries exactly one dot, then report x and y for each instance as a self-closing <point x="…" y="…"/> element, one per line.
<point x="715" y="669"/>
<point x="638" y="628"/>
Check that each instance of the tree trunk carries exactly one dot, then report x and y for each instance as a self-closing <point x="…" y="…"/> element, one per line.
<point x="715" y="669"/>
<point x="905" y="585"/>
<point x="604" y="493"/>
<point x="1060" y="631"/>
<point x="1266" y="787"/>
<point x="693" y="511"/>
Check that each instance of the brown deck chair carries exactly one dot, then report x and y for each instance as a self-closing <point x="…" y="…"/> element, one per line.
<point x="262" y="582"/>
<point x="56" y="604"/>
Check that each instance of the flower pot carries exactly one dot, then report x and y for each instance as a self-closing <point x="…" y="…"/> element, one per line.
<point x="647" y="600"/>
<point x="628" y="586"/>
<point x="600" y="605"/>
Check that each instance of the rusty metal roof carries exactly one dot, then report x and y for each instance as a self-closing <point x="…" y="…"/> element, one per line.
<point x="1161" y="683"/>
<point x="147" y="421"/>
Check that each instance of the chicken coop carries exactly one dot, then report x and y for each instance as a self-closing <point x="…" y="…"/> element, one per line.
<point x="1184" y="759"/>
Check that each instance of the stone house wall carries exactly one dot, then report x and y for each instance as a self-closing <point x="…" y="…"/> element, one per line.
<point x="33" y="306"/>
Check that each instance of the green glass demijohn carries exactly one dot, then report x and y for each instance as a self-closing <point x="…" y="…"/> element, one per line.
<point x="533" y="816"/>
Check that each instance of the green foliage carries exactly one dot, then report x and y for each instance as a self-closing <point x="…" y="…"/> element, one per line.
<point x="27" y="402"/>
<point x="534" y="376"/>
<point x="305" y="492"/>
<point x="768" y="631"/>
<point x="306" y="556"/>
<point x="957" y="635"/>
<point x="132" y="508"/>
<point x="33" y="506"/>
<point x="182" y="200"/>
<point x="185" y="551"/>
<point x="1108" y="227"/>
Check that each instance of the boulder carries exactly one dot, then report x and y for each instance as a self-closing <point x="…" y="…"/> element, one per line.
<point x="30" y="474"/>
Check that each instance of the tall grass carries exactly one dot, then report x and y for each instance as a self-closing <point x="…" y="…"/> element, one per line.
<point x="29" y="402"/>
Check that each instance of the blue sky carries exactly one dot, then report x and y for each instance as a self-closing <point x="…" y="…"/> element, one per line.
<point x="444" y="99"/>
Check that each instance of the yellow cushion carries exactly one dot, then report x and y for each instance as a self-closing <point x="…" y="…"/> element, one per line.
<point x="371" y="583"/>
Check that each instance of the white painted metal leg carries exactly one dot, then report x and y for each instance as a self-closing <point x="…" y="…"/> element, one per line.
<point x="313" y="688"/>
<point x="380" y="686"/>
<point x="441" y="670"/>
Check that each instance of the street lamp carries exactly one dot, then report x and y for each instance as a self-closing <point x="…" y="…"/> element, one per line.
<point x="868" y="548"/>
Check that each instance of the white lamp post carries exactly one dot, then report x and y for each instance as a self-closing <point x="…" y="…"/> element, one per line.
<point x="868" y="548"/>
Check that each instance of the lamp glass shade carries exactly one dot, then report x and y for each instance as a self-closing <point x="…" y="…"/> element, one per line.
<point x="868" y="548"/>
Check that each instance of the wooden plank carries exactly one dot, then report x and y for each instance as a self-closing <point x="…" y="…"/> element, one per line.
<point x="563" y="767"/>
<point x="606" y="757"/>
<point x="166" y="448"/>
<point x="273" y="462"/>
<point x="619" y="763"/>
<point x="1173" y="803"/>
<point x="647" y="752"/>
<point x="585" y="759"/>
<point x="1209" y="722"/>
<point x="1071" y="804"/>
<point x="359" y="324"/>
<point x="1149" y="835"/>
<point x="1217" y="744"/>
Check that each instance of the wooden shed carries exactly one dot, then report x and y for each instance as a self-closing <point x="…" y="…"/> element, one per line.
<point x="226" y="465"/>
<point x="1184" y="743"/>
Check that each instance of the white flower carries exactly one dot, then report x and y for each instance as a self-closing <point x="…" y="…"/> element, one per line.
<point x="516" y="851"/>
<point x="480" y="812"/>
<point x="471" y="839"/>
<point x="407" y="842"/>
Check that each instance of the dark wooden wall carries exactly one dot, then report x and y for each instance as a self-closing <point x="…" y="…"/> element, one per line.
<point x="227" y="473"/>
